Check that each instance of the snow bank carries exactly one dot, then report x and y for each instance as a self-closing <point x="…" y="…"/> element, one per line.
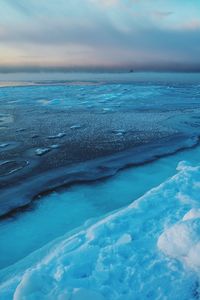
<point x="119" y="257"/>
<point x="182" y="240"/>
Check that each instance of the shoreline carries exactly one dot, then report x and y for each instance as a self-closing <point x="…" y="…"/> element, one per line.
<point x="89" y="171"/>
<point x="54" y="214"/>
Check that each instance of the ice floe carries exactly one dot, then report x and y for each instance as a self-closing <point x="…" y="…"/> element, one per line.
<point x="42" y="151"/>
<point x="77" y="126"/>
<point x="57" y="136"/>
<point x="4" y="145"/>
<point x="55" y="146"/>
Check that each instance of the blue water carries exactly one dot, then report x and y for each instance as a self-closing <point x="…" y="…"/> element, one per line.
<point x="107" y="96"/>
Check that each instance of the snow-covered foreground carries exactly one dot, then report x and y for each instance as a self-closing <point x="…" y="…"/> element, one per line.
<point x="148" y="250"/>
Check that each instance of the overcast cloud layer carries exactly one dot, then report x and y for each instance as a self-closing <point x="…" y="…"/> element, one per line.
<point x="140" y="34"/>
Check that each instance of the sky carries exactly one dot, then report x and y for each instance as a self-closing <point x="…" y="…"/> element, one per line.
<point x="100" y="34"/>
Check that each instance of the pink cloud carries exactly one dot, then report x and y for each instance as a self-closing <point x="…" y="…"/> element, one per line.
<point x="191" y="25"/>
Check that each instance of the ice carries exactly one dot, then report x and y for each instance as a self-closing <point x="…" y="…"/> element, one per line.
<point x="81" y="293"/>
<point x="147" y="250"/>
<point x="192" y="214"/>
<point x="106" y="109"/>
<point x="119" y="132"/>
<point x="42" y="151"/>
<point x="4" y="145"/>
<point x="57" y="136"/>
<point x="8" y="167"/>
<point x="77" y="126"/>
<point x="8" y="145"/>
<point x="54" y="215"/>
<point x="124" y="239"/>
<point x="127" y="93"/>
<point x="55" y="146"/>
<point x="182" y="241"/>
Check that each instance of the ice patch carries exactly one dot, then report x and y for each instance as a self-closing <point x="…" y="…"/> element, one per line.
<point x="119" y="132"/>
<point x="80" y="294"/>
<point x="57" y="136"/>
<point x="4" y="145"/>
<point x="55" y="146"/>
<point x="75" y="126"/>
<point x="124" y="239"/>
<point x="8" y="146"/>
<point x="42" y="151"/>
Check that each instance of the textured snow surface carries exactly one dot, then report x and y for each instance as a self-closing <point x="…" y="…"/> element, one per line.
<point x="148" y="250"/>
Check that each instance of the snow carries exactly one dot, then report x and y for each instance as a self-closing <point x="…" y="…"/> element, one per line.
<point x="192" y="214"/>
<point x="178" y="240"/>
<point x="147" y="250"/>
<point x="182" y="240"/>
<point x="124" y="239"/>
<point x="80" y="294"/>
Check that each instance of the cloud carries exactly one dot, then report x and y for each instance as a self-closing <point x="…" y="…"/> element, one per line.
<point x="191" y="25"/>
<point x="162" y="14"/>
<point x="106" y="3"/>
<point x="97" y="33"/>
<point x="20" y="6"/>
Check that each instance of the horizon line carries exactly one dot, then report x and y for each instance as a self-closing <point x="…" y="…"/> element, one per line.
<point x="179" y="68"/>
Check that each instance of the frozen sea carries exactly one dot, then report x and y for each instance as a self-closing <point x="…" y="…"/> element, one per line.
<point x="99" y="186"/>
